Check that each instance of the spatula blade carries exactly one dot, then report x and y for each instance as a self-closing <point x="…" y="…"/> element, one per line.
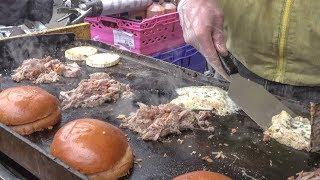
<point x="255" y="101"/>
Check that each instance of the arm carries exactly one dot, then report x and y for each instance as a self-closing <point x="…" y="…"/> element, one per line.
<point x="202" y="24"/>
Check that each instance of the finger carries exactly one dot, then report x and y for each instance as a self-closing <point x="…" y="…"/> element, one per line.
<point x="217" y="35"/>
<point x="216" y="64"/>
<point x="219" y="42"/>
<point x="208" y="50"/>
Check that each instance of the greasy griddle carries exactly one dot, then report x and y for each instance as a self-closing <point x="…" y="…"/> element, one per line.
<point x="153" y="82"/>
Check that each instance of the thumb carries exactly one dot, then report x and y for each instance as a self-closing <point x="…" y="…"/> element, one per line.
<point x="218" y="36"/>
<point x="219" y="43"/>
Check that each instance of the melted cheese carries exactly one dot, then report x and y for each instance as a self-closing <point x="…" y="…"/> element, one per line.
<point x="206" y="98"/>
<point x="293" y="132"/>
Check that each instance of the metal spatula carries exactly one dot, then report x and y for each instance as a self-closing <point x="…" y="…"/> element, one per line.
<point x="252" y="98"/>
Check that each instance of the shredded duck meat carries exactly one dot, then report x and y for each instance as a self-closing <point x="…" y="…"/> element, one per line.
<point x="154" y="122"/>
<point x="313" y="175"/>
<point x="46" y="70"/>
<point x="100" y="88"/>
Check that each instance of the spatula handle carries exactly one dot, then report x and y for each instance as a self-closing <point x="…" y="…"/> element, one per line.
<point x="228" y="64"/>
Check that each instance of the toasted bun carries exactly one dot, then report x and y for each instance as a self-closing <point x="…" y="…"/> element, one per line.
<point x="39" y="125"/>
<point x="26" y="104"/>
<point x="80" y="53"/>
<point x="202" y="175"/>
<point x="93" y="147"/>
<point x="103" y="60"/>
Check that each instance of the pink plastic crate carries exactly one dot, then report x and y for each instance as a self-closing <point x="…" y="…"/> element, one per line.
<point x="147" y="37"/>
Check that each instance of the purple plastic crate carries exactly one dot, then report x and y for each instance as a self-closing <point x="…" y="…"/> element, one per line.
<point x="185" y="56"/>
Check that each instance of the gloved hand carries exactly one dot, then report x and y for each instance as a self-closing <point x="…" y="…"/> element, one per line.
<point x="14" y="12"/>
<point x="202" y="24"/>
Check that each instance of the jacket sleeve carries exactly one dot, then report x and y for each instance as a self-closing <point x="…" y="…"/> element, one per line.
<point x="40" y="10"/>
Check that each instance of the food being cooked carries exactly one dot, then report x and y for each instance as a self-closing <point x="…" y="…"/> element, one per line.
<point x="46" y="70"/>
<point x="203" y="175"/>
<point x="80" y="53"/>
<point x="292" y="132"/>
<point x="103" y="60"/>
<point x="206" y="98"/>
<point x="27" y="109"/>
<point x="100" y="88"/>
<point x="154" y="122"/>
<point x="313" y="175"/>
<point x="94" y="148"/>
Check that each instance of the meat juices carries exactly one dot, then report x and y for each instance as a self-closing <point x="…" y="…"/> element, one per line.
<point x="154" y="122"/>
<point x="100" y="88"/>
<point x="46" y="70"/>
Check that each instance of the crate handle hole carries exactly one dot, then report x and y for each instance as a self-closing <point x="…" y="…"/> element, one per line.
<point x="110" y="24"/>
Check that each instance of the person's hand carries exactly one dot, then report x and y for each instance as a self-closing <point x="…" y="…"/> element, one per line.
<point x="202" y="24"/>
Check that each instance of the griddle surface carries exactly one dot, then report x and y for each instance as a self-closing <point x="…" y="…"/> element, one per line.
<point x="154" y="83"/>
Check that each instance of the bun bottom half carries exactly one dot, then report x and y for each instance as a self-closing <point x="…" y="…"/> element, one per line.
<point x="120" y="169"/>
<point x="39" y="125"/>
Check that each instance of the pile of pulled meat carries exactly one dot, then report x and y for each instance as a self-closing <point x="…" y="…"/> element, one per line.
<point x="46" y="70"/>
<point x="100" y="88"/>
<point x="314" y="175"/>
<point x="154" y="122"/>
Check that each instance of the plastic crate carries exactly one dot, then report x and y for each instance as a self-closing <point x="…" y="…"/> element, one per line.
<point x="185" y="56"/>
<point x="147" y="37"/>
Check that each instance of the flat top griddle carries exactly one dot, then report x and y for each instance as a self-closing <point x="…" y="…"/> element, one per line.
<point x="153" y="82"/>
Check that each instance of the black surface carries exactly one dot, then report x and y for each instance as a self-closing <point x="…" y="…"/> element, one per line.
<point x="15" y="169"/>
<point x="153" y="82"/>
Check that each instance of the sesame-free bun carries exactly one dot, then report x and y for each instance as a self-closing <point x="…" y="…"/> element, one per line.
<point x="202" y="175"/>
<point x="93" y="147"/>
<point x="45" y="123"/>
<point x="27" y="109"/>
<point x="80" y="53"/>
